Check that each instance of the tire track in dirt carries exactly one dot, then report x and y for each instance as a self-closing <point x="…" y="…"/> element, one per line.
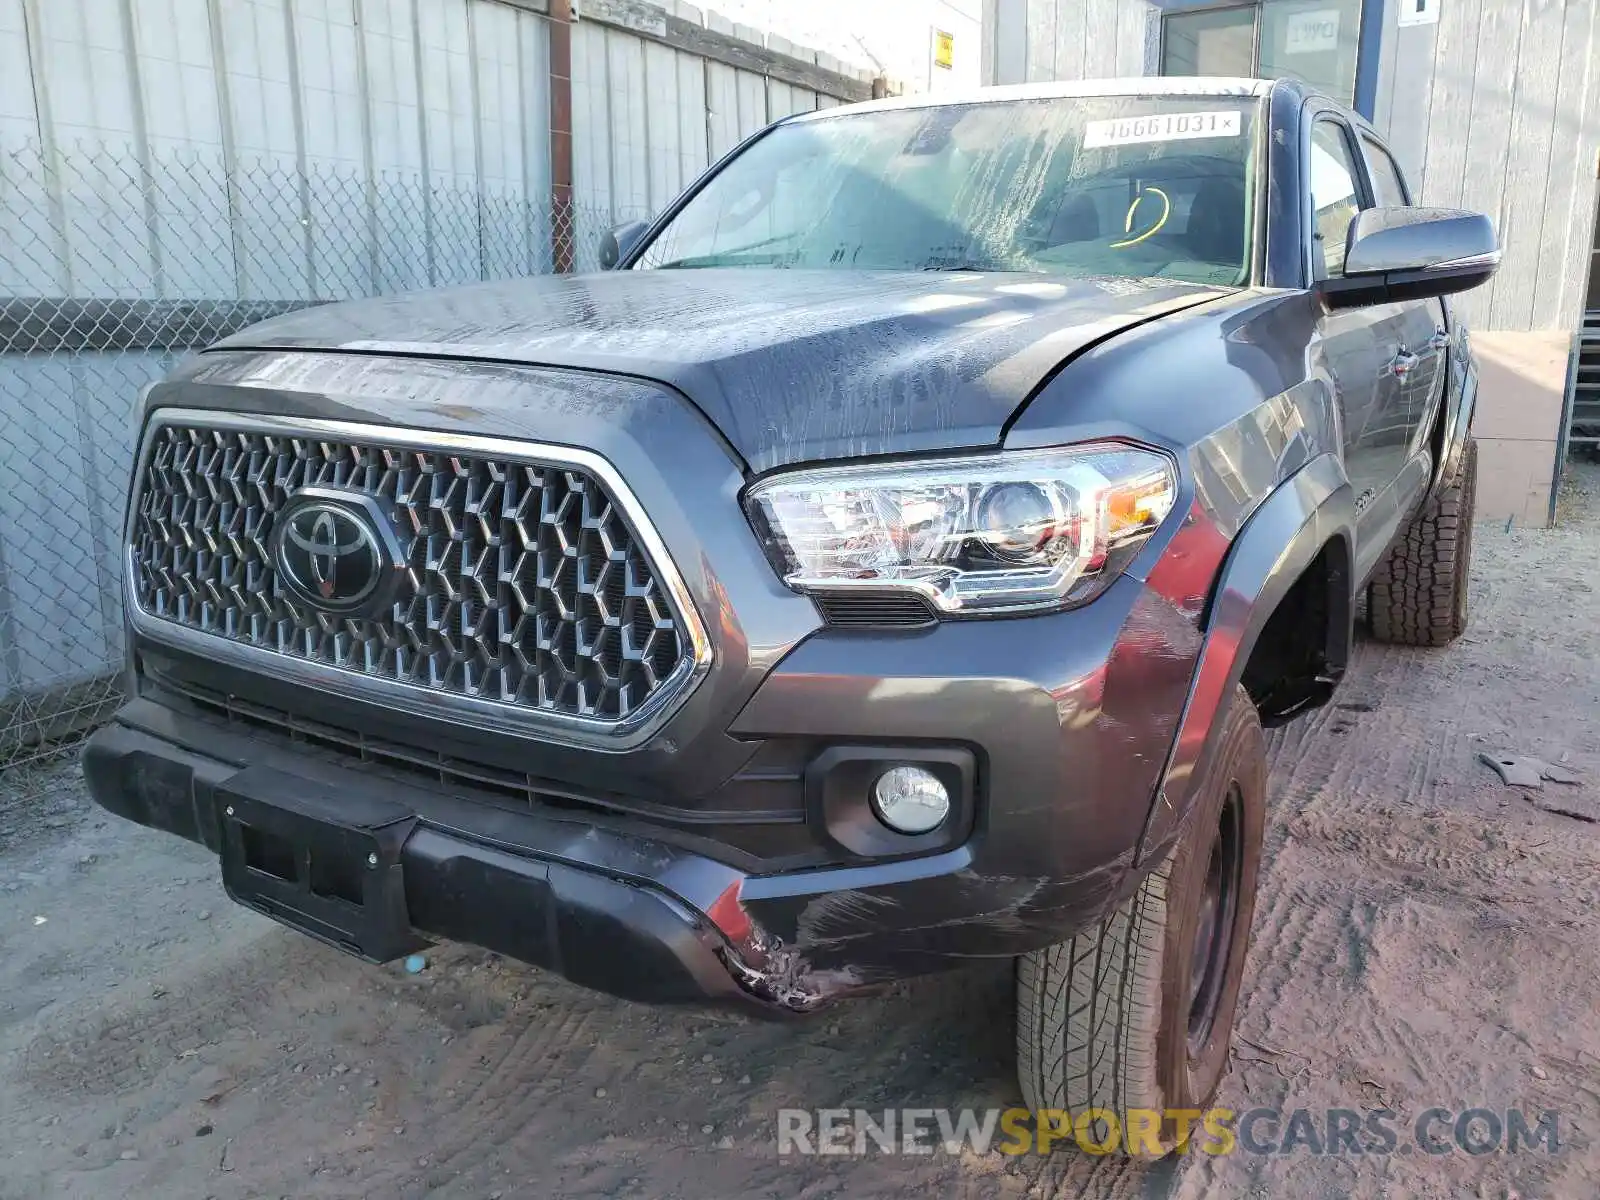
<point x="499" y="1073"/>
<point x="1105" y="1178"/>
<point x="114" y="1041"/>
<point x="501" y="1081"/>
<point x="1386" y="836"/>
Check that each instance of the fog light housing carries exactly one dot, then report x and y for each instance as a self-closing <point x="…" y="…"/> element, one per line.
<point x="910" y="800"/>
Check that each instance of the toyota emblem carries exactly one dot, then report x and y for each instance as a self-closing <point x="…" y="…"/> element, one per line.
<point x="332" y="552"/>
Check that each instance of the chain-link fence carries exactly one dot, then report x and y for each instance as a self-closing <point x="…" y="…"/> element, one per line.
<point x="115" y="265"/>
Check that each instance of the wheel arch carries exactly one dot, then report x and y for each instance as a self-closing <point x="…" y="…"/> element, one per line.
<point x="1297" y="548"/>
<point x="1300" y="653"/>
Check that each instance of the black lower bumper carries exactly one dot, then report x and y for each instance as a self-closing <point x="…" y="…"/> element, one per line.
<point x="604" y="902"/>
<point x="373" y="867"/>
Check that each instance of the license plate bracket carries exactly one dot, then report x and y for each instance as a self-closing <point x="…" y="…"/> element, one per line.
<point x="323" y="865"/>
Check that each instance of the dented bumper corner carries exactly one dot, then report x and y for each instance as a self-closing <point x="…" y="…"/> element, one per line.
<point x="606" y="909"/>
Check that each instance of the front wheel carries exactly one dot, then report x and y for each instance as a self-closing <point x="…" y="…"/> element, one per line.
<point x="1137" y="1013"/>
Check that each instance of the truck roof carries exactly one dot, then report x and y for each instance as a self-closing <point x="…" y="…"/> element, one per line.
<point x="1135" y="85"/>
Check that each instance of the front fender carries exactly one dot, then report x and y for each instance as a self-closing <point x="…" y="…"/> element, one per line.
<point x="1310" y="509"/>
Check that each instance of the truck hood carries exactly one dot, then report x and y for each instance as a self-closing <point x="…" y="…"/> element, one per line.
<point x="790" y="366"/>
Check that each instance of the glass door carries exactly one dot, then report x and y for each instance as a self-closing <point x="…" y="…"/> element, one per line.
<point x="1314" y="40"/>
<point x="1216" y="41"/>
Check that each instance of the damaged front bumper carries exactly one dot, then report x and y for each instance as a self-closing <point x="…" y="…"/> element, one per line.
<point x="1056" y="728"/>
<point x="378" y="866"/>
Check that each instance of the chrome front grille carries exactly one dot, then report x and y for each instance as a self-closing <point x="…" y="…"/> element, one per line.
<point x="530" y="589"/>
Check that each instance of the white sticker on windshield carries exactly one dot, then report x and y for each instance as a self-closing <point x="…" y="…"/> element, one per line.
<point x="1164" y="127"/>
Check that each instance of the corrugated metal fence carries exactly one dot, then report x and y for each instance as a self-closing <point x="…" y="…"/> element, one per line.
<point x="1496" y="107"/>
<point x="172" y="170"/>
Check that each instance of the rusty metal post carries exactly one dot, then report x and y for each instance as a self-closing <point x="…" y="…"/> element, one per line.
<point x="563" y="218"/>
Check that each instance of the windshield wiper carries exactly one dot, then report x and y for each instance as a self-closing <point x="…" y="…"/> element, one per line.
<point x="734" y="256"/>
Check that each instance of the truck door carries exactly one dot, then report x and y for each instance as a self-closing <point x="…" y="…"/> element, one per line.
<point x="1420" y="326"/>
<point x="1348" y="348"/>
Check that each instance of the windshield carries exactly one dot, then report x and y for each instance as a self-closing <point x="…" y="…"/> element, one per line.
<point x="1101" y="185"/>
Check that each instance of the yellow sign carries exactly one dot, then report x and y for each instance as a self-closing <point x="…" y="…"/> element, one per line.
<point x="944" y="49"/>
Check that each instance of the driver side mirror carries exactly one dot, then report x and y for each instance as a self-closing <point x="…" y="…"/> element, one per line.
<point x="1412" y="253"/>
<point x="616" y="242"/>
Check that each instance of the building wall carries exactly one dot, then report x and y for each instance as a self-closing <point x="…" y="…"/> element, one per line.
<point x="1035" y="41"/>
<point x="448" y="94"/>
<point x="648" y="118"/>
<point x="895" y="36"/>
<point x="228" y="156"/>
<point x="172" y="170"/>
<point x="1496" y="108"/>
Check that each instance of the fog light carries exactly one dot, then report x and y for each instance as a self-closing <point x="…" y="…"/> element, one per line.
<point x="910" y="800"/>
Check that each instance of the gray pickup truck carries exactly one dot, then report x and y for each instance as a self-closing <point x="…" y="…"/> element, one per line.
<point x="890" y="562"/>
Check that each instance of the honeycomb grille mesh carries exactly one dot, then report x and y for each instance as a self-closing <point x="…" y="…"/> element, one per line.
<point x="522" y="584"/>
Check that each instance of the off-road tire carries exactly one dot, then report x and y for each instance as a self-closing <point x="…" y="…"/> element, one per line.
<point x="1103" y="1019"/>
<point x="1418" y="594"/>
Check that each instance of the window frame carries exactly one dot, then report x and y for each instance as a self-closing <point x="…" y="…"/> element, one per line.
<point x="1372" y="145"/>
<point x="1366" y="197"/>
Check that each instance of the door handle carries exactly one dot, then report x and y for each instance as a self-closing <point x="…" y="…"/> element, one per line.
<point x="1403" y="363"/>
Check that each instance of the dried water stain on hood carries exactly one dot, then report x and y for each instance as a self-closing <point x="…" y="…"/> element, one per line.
<point x="790" y="366"/>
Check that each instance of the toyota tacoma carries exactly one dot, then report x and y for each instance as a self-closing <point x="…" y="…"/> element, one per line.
<point x="891" y="560"/>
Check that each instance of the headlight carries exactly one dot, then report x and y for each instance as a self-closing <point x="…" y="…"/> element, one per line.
<point x="1025" y="529"/>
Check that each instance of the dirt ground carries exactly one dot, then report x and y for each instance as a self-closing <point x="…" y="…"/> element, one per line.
<point x="1425" y="937"/>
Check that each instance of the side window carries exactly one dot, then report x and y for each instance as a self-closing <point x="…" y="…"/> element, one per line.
<point x="1335" y="197"/>
<point x="1386" y="178"/>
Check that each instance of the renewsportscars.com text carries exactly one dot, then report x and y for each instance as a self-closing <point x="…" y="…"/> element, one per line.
<point x="1330" y="1131"/>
